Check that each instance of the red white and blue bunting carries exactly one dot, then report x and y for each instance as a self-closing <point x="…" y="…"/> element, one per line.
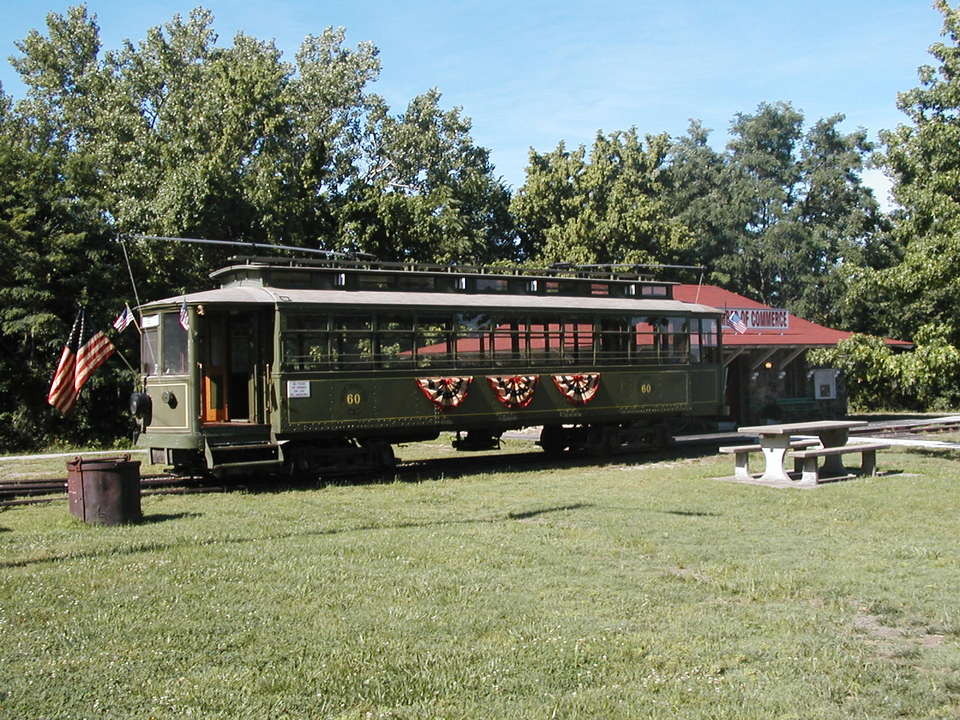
<point x="515" y="391"/>
<point x="578" y="389"/>
<point x="445" y="392"/>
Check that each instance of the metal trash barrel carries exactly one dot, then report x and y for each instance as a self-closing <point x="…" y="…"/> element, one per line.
<point x="105" y="491"/>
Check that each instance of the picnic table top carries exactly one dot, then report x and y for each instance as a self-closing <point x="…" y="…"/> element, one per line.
<point x="814" y="426"/>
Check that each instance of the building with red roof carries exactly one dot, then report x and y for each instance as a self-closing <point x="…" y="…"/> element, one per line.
<point x="765" y="353"/>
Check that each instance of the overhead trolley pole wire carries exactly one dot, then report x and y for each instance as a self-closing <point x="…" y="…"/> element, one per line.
<point x="254" y="246"/>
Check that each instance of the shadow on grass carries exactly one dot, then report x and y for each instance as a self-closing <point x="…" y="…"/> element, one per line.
<point x="160" y="546"/>
<point x="164" y="517"/>
<point x="453" y="468"/>
<point x="537" y="461"/>
<point x="544" y="511"/>
<point x="938" y="453"/>
<point x="691" y="513"/>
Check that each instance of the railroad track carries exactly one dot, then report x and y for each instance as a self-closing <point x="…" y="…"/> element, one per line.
<point x="25" y="492"/>
<point x="910" y="427"/>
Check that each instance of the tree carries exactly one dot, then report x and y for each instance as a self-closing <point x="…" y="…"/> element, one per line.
<point x="608" y="207"/>
<point x="428" y="191"/>
<point x="700" y="199"/>
<point x="923" y="159"/>
<point x="176" y="135"/>
<point x="54" y="248"/>
<point x="782" y="216"/>
<point x="869" y="370"/>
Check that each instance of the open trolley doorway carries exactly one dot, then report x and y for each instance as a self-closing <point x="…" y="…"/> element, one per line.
<point x="236" y="350"/>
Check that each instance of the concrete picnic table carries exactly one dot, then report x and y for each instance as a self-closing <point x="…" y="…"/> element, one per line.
<point x="775" y="440"/>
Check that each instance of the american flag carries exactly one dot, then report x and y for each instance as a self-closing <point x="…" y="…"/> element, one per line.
<point x="184" y="315"/>
<point x="123" y="319"/>
<point x="63" y="393"/>
<point x="91" y="355"/>
<point x="736" y="322"/>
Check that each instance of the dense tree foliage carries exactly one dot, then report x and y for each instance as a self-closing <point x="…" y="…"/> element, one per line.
<point x="923" y="159"/>
<point x="782" y="216"/>
<point x="177" y="135"/>
<point x="608" y="206"/>
<point x="54" y="251"/>
<point x="928" y="378"/>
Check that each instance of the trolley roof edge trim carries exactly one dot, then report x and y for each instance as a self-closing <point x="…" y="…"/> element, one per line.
<point x="629" y="273"/>
<point x="369" y="298"/>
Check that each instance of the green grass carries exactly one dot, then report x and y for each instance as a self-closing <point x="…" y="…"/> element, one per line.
<point x="627" y="590"/>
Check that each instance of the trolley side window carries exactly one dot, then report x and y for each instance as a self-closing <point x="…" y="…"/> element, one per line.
<point x="473" y="342"/>
<point x="353" y="342"/>
<point x="709" y="341"/>
<point x="678" y="340"/>
<point x="614" y="340"/>
<point x="306" y="343"/>
<point x="395" y="341"/>
<point x="544" y="341"/>
<point x="434" y="341"/>
<point x="506" y="342"/>
<point x="658" y="339"/>
<point x="173" y="345"/>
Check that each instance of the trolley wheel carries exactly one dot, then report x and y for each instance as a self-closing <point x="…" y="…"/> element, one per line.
<point x="553" y="440"/>
<point x="380" y="454"/>
<point x="603" y="440"/>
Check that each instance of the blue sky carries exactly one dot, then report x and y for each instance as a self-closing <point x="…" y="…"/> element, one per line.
<point x="531" y="73"/>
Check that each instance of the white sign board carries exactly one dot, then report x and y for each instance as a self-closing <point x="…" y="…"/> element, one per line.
<point x="825" y="384"/>
<point x="298" y="388"/>
<point x="760" y="318"/>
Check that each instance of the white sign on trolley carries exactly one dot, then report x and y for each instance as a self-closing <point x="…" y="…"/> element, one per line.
<point x="298" y="388"/>
<point x="760" y="318"/>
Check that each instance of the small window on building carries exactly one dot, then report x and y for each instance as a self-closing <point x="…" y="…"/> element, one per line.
<point x="416" y="282"/>
<point x="488" y="284"/>
<point x="374" y="282"/>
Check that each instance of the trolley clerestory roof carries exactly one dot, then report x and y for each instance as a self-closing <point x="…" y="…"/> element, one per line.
<point x="354" y="299"/>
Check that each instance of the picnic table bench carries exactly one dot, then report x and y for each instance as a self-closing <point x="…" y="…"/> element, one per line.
<point x="741" y="455"/>
<point x="868" y="459"/>
<point x="775" y="440"/>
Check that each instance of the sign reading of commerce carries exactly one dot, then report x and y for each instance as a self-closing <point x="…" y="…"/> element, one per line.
<point x="760" y="318"/>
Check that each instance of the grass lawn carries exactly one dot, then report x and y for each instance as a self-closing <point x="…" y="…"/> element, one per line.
<point x="639" y="588"/>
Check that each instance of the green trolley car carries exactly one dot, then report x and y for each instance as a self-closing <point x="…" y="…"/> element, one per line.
<point x="312" y="365"/>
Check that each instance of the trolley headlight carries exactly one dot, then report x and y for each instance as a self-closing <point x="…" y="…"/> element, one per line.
<point x="140" y="404"/>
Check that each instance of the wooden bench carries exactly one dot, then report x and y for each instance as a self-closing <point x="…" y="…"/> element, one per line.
<point x="741" y="455"/>
<point x="811" y="473"/>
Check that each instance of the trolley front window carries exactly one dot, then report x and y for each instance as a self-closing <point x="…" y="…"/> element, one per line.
<point x="149" y="345"/>
<point x="174" y="345"/>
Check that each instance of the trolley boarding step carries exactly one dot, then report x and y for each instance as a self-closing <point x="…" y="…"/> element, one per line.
<point x="232" y="454"/>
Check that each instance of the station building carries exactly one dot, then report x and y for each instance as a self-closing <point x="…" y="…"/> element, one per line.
<point x="768" y="376"/>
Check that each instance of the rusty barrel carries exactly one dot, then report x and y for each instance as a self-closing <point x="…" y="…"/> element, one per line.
<point x="105" y="491"/>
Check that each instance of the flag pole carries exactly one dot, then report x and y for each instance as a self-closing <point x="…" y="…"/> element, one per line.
<point x="126" y="362"/>
<point x="136" y="295"/>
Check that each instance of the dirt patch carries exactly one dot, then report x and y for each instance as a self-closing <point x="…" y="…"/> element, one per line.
<point x="872" y="626"/>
